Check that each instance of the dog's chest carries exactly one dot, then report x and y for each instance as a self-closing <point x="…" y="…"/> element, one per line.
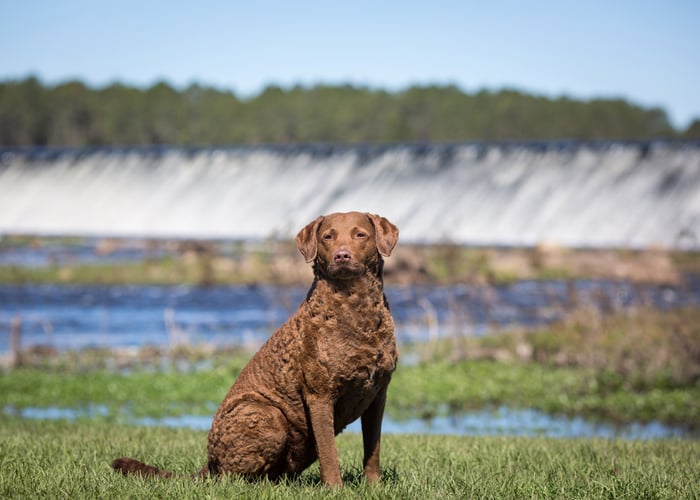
<point x="349" y="341"/>
<point x="359" y="354"/>
<point x="361" y="372"/>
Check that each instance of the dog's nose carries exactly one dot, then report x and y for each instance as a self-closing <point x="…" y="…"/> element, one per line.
<point x="342" y="255"/>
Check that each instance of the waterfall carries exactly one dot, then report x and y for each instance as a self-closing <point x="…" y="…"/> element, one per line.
<point x="598" y="194"/>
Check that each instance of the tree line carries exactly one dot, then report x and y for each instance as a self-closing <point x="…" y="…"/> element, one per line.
<point x="74" y="114"/>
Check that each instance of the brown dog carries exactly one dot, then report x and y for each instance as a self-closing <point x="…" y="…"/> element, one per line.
<point x="329" y="364"/>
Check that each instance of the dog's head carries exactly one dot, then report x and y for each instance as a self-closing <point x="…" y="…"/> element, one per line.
<point x="346" y="245"/>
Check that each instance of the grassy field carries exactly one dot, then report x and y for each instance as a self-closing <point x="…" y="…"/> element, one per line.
<point x="71" y="460"/>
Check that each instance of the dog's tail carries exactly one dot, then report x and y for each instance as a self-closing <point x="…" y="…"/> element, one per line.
<point x="129" y="466"/>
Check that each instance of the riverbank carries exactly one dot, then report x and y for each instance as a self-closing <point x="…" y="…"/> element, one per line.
<point x="426" y="391"/>
<point x="175" y="262"/>
<point x="630" y="367"/>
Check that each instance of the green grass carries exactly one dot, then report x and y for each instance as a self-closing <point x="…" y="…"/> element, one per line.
<point x="71" y="460"/>
<point x="427" y="389"/>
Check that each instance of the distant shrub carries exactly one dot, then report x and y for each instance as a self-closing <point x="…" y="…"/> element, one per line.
<point x="637" y="349"/>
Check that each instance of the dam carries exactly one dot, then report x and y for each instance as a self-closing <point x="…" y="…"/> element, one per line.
<point x="627" y="194"/>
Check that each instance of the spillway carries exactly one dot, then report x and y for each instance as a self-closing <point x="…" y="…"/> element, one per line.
<point x="599" y="194"/>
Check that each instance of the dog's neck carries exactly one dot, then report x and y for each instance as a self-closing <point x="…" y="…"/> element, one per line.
<point x="371" y="279"/>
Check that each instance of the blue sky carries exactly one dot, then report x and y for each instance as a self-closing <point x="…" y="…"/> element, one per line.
<point x="645" y="51"/>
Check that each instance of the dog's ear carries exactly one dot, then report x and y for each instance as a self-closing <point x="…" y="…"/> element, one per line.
<point x="386" y="233"/>
<point x="307" y="241"/>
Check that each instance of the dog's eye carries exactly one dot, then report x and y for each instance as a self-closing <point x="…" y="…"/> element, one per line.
<point x="360" y="235"/>
<point x="327" y="237"/>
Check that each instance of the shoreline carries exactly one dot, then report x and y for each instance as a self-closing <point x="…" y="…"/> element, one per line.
<point x="109" y="261"/>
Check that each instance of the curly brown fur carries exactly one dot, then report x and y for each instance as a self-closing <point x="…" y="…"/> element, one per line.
<point x="328" y="365"/>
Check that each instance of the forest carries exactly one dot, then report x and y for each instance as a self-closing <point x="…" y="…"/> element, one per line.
<point x="72" y="114"/>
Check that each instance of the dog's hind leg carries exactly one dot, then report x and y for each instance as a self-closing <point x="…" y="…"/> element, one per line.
<point x="249" y="440"/>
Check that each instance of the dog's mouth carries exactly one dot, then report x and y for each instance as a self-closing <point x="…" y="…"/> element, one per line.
<point x="345" y="269"/>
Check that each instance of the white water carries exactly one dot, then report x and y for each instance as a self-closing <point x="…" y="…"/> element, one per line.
<point x="612" y="194"/>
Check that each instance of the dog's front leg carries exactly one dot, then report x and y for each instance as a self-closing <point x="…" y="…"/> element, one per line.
<point x="371" y="436"/>
<point x="321" y="413"/>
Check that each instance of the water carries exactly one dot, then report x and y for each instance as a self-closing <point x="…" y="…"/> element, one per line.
<point x="500" y="421"/>
<point x="619" y="194"/>
<point x="73" y="317"/>
<point x="85" y="251"/>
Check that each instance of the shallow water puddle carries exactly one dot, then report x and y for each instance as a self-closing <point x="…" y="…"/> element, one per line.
<point x="501" y="421"/>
